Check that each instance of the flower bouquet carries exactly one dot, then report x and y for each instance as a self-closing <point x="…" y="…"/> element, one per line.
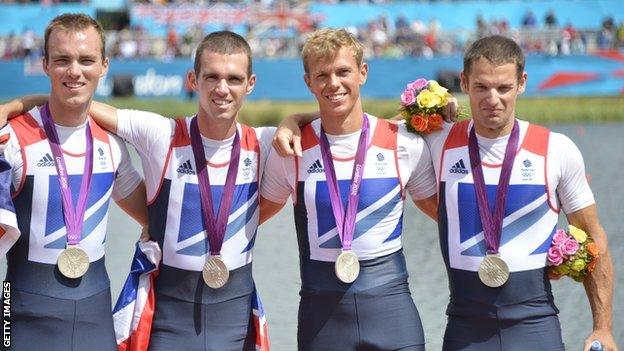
<point x="573" y="254"/>
<point x="422" y="104"/>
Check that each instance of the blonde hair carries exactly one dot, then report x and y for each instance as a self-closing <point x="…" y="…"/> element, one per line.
<point x="325" y="43"/>
<point x="73" y="22"/>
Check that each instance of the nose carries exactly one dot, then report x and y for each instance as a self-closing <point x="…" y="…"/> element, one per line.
<point x="492" y="97"/>
<point x="222" y="87"/>
<point x="334" y="81"/>
<point x="73" y="70"/>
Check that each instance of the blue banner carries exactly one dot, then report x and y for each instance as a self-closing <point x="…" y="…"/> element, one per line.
<point x="599" y="74"/>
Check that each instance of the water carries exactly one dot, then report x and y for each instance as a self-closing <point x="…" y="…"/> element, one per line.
<point x="276" y="266"/>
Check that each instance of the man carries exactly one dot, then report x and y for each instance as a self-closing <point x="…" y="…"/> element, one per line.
<point x="348" y="154"/>
<point x="202" y="175"/>
<point x="65" y="169"/>
<point x="545" y="174"/>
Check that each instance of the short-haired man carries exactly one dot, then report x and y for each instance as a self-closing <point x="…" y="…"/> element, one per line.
<point x="543" y="173"/>
<point x="348" y="190"/>
<point x="540" y="173"/>
<point x="65" y="169"/>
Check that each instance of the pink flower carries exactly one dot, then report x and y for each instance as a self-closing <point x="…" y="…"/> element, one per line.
<point x="418" y="85"/>
<point x="559" y="238"/>
<point x="408" y="97"/>
<point x="569" y="247"/>
<point x="555" y="257"/>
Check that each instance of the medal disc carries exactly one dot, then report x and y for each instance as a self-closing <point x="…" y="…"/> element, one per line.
<point x="73" y="262"/>
<point x="493" y="271"/>
<point x="215" y="272"/>
<point x="347" y="267"/>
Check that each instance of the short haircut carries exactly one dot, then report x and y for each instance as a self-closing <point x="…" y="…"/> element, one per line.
<point x="226" y="43"/>
<point x="497" y="49"/>
<point x="325" y="43"/>
<point x="73" y="22"/>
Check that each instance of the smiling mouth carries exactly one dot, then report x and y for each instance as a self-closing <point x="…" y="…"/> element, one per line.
<point x="74" y="85"/>
<point x="336" y="97"/>
<point x="221" y="102"/>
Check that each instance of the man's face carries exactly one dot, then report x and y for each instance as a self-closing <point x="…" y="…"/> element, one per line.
<point x="74" y="65"/>
<point x="336" y="82"/>
<point x="493" y="91"/>
<point x="222" y="84"/>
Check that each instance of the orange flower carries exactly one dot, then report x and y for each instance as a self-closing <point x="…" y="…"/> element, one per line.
<point x="592" y="265"/>
<point x="435" y="122"/>
<point x="419" y="123"/>
<point x="592" y="248"/>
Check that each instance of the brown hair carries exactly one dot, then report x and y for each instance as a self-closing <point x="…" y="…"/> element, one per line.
<point x="226" y="43"/>
<point x="73" y="22"/>
<point x="325" y="43"/>
<point x="497" y="49"/>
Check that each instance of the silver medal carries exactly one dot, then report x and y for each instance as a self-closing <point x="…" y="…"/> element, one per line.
<point x="215" y="272"/>
<point x="347" y="267"/>
<point x="493" y="271"/>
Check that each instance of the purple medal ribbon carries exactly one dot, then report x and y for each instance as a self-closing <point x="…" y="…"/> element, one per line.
<point x="215" y="228"/>
<point x="74" y="217"/>
<point x="492" y="223"/>
<point x="345" y="222"/>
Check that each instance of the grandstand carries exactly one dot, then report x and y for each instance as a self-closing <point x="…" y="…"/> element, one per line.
<point x="411" y="33"/>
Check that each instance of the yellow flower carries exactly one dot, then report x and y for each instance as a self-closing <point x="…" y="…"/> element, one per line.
<point x="427" y="99"/>
<point x="578" y="234"/>
<point x="578" y="265"/>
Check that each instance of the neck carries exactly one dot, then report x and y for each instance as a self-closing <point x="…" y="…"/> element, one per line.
<point x="67" y="116"/>
<point x="216" y="129"/>
<point x="346" y="124"/>
<point x="493" y="133"/>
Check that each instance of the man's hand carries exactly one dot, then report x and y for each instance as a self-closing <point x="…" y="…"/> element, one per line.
<point x="145" y="237"/>
<point x="287" y="138"/>
<point x="450" y="111"/>
<point x="606" y="339"/>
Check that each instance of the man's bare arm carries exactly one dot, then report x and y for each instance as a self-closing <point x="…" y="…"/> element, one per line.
<point x="429" y="206"/>
<point x="20" y="105"/>
<point x="599" y="284"/>
<point x="268" y="209"/>
<point x="135" y="204"/>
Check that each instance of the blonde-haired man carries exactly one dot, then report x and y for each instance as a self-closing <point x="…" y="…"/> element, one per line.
<point x="354" y="293"/>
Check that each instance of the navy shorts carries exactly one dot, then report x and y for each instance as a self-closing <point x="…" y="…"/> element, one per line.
<point x="189" y="326"/>
<point x="381" y="318"/>
<point x="48" y="323"/>
<point x="489" y="334"/>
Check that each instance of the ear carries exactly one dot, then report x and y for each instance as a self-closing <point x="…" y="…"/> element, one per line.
<point x="105" y="64"/>
<point x="192" y="79"/>
<point x="522" y="83"/>
<point x="463" y="82"/>
<point x="44" y="64"/>
<point x="306" y="79"/>
<point x="363" y="73"/>
<point x="251" y="83"/>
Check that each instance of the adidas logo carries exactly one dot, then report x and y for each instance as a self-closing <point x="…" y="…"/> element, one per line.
<point x="316" y="167"/>
<point x="186" y="168"/>
<point x="459" y="168"/>
<point x="46" y="161"/>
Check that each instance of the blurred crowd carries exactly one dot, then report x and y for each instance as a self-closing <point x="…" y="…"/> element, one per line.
<point x="381" y="37"/>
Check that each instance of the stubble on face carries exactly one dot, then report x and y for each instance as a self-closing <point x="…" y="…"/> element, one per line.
<point x="492" y="90"/>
